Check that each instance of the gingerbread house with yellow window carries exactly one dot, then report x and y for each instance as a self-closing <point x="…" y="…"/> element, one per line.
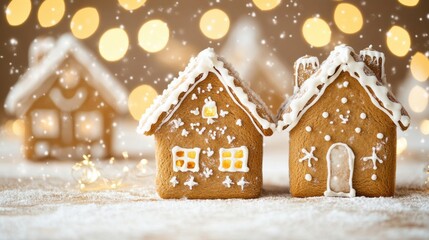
<point x="68" y="101"/>
<point x="209" y="130"/>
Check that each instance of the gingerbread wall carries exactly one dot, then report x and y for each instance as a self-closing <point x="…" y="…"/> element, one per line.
<point x="229" y="134"/>
<point x="360" y="133"/>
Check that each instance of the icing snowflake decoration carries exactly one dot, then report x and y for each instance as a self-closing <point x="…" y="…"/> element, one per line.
<point x="308" y="156"/>
<point x="207" y="172"/>
<point x="190" y="183"/>
<point x="174" y="181"/>
<point x="177" y="123"/>
<point x="241" y="183"/>
<point x="374" y="158"/>
<point x="227" y="182"/>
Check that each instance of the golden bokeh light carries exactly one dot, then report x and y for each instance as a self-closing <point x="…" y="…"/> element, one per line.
<point x="401" y="145"/>
<point x="85" y="22"/>
<point x="348" y="18"/>
<point x="409" y="3"/>
<point x="266" y="5"/>
<point x="214" y="24"/>
<point x="316" y="32"/>
<point x="51" y="12"/>
<point x="140" y="99"/>
<point x="18" y="127"/>
<point x="18" y="11"/>
<point x="153" y="35"/>
<point x="419" y="67"/>
<point x="418" y="99"/>
<point x="424" y="127"/>
<point x="113" y="44"/>
<point x="398" y="41"/>
<point x="131" y="5"/>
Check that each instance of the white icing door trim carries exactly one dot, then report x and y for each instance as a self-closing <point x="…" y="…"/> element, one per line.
<point x="351" y="158"/>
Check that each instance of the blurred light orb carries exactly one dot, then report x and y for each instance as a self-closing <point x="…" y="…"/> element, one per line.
<point x="18" y="11"/>
<point x="419" y="67"/>
<point x="153" y="35"/>
<point x="316" y="32"/>
<point x="140" y="99"/>
<point x="51" y="12"/>
<point x="398" y="41"/>
<point x="401" y="145"/>
<point x="266" y="5"/>
<point x="18" y="127"/>
<point x="85" y="22"/>
<point x="348" y="18"/>
<point x="85" y="172"/>
<point x="214" y="24"/>
<point x="418" y="99"/>
<point x="424" y="127"/>
<point x="113" y="44"/>
<point x="409" y="3"/>
<point x="131" y="5"/>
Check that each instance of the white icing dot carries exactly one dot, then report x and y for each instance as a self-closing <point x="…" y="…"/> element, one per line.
<point x="325" y="114"/>
<point x="373" y="177"/>
<point x="345" y="83"/>
<point x="344" y="100"/>
<point x="308" y="177"/>
<point x="308" y="129"/>
<point x="380" y="135"/>
<point x="362" y="115"/>
<point x="358" y="130"/>
<point x="327" y="138"/>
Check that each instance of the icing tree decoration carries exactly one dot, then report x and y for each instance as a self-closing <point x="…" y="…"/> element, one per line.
<point x="193" y="125"/>
<point x="209" y="152"/>
<point x="308" y="156"/>
<point x="341" y="59"/>
<point x="196" y="112"/>
<point x="190" y="183"/>
<point x="227" y="182"/>
<point x="174" y="181"/>
<point x="194" y="96"/>
<point x="230" y="139"/>
<point x="223" y="113"/>
<point x="209" y="87"/>
<point x="233" y="159"/>
<point x="186" y="159"/>
<point x="308" y="177"/>
<point x="207" y="172"/>
<point x="373" y="158"/>
<point x="340" y="160"/>
<point x="185" y="133"/>
<point x="177" y="123"/>
<point x="242" y="183"/>
<point x="209" y="110"/>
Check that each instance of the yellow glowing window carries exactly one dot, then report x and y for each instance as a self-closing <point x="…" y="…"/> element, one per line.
<point x="186" y="159"/>
<point x="209" y="109"/>
<point x="233" y="159"/>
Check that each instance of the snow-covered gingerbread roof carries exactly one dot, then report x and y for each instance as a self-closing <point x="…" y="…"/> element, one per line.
<point x="41" y="75"/>
<point x="206" y="62"/>
<point x="342" y="58"/>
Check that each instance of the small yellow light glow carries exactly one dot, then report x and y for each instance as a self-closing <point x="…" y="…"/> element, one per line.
<point x="424" y="127"/>
<point x="266" y="5"/>
<point x="214" y="24"/>
<point x="348" y="18"/>
<point x="409" y="3"/>
<point x="398" y="41"/>
<point x="420" y="67"/>
<point x="85" y="22"/>
<point x="153" y="35"/>
<point x="316" y="32"/>
<point x="401" y="145"/>
<point x="418" y="99"/>
<point x="131" y="4"/>
<point x="18" y="127"/>
<point x="18" y="11"/>
<point x="51" y="12"/>
<point x="113" y="44"/>
<point x="140" y="99"/>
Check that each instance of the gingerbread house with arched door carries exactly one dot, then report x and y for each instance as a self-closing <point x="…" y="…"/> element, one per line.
<point x="342" y="121"/>
<point x="68" y="101"/>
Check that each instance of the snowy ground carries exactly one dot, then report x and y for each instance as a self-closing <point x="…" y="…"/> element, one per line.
<point x="41" y="201"/>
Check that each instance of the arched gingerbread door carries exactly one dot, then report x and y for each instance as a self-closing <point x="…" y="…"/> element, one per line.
<point x="340" y="159"/>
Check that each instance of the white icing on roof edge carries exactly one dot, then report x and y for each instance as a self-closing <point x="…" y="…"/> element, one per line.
<point x="39" y="75"/>
<point x="206" y="62"/>
<point x="340" y="59"/>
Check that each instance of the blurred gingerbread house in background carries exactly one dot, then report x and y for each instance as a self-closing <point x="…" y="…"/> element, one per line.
<point x="68" y="101"/>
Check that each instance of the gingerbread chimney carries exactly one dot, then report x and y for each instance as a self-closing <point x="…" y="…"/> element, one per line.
<point x="304" y="67"/>
<point x="375" y="61"/>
